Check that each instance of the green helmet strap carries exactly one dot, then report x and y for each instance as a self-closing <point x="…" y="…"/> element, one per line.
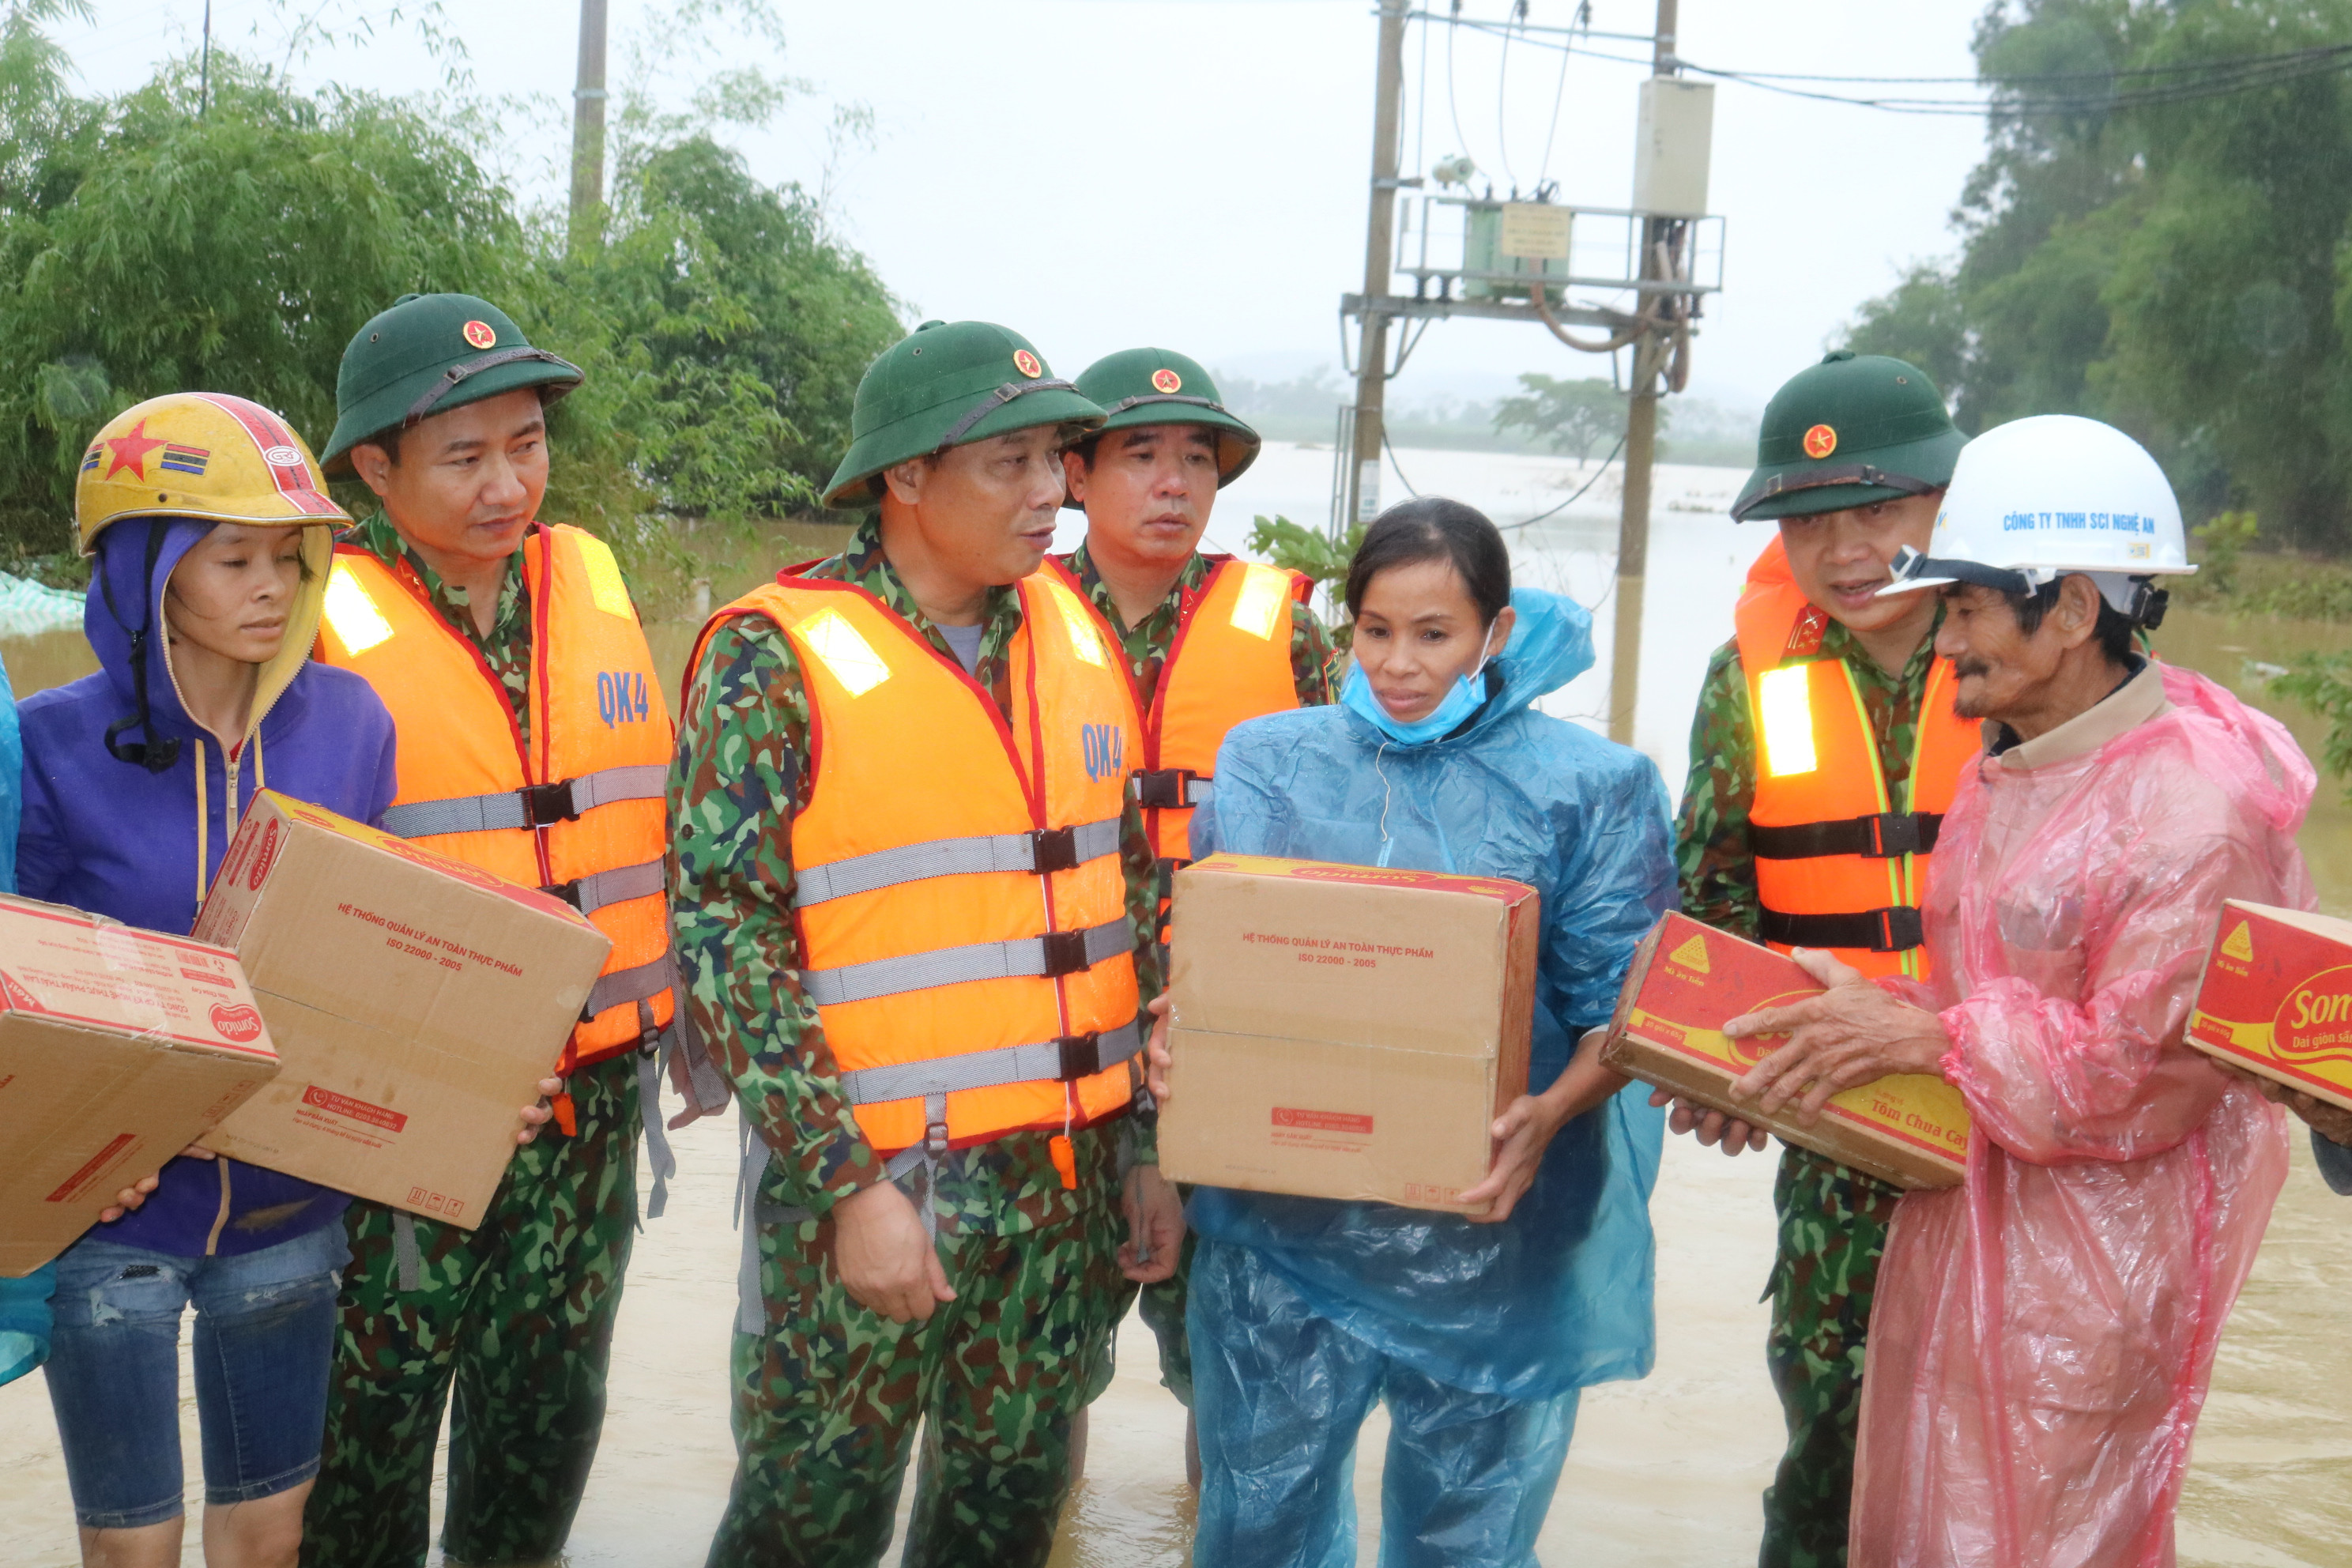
<point x="994" y="400"/>
<point x="456" y="374"/>
<point x="1843" y="474"/>
<point x="1124" y="404"/>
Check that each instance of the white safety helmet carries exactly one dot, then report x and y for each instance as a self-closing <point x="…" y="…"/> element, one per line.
<point x="2041" y="498"/>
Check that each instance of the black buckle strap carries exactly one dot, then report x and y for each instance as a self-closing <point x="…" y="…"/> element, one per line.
<point x="1163" y="789"/>
<point x="568" y="891"/>
<point x="1065" y="953"/>
<point x="1081" y="1056"/>
<point x="1887" y="836"/>
<point x="1892" y="929"/>
<point x="1054" y="849"/>
<point x="548" y="803"/>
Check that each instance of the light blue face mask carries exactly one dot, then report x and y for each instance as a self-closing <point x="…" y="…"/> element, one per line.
<point x="1356" y="694"/>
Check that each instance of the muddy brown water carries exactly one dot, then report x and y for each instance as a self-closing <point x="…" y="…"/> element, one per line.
<point x="1665" y="1472"/>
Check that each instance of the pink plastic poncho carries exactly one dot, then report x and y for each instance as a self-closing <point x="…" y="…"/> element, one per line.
<point x="2042" y="1336"/>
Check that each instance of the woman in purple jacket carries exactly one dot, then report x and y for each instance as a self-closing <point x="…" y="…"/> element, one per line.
<point x="210" y="529"/>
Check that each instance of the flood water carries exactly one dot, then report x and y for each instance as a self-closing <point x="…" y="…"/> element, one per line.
<point x="1665" y="1472"/>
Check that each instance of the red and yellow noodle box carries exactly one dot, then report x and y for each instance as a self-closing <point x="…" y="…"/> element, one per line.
<point x="2276" y="999"/>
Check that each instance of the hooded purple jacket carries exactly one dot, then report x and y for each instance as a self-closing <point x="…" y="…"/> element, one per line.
<point x="109" y="836"/>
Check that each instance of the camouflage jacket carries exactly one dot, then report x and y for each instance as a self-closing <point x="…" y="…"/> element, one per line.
<point x="1718" y="871"/>
<point x="742" y="763"/>
<point x="1315" y="663"/>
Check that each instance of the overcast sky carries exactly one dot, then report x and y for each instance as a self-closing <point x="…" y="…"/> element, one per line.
<point x="1100" y="173"/>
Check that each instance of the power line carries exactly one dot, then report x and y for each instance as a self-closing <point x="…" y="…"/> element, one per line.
<point x="2276" y="70"/>
<point x="1452" y="106"/>
<point x="2186" y="82"/>
<point x="1421" y="110"/>
<point x="1390" y="447"/>
<point x="1558" y="93"/>
<point x="1572" y="501"/>
<point x="2183" y="68"/>
<point x="1501" y="98"/>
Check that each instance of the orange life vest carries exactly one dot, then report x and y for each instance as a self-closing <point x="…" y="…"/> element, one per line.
<point x="1840" y="864"/>
<point x="580" y="810"/>
<point x="962" y="906"/>
<point x="1229" y="661"/>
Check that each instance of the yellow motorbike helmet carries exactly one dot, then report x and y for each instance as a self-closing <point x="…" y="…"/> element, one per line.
<point x="209" y="457"/>
<point x="201" y="455"/>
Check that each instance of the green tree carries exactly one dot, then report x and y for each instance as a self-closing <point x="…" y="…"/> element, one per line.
<point x="1316" y="556"/>
<point x="2136" y="249"/>
<point x="144" y="249"/>
<point x="736" y="330"/>
<point x="1919" y="321"/>
<point x="151" y="242"/>
<point x="1573" y="416"/>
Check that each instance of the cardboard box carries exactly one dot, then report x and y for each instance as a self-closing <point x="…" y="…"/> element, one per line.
<point x="118" y="1048"/>
<point x="2276" y="999"/>
<point x="1343" y="1031"/>
<point x="417" y="1001"/>
<point x="1688" y="980"/>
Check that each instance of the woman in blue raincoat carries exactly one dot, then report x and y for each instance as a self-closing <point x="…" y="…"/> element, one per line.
<point x="1478" y="1333"/>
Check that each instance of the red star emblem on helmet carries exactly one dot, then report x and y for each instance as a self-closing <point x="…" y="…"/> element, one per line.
<point x="481" y="334"/>
<point x="1027" y="363"/>
<point x="1820" y="442"/>
<point x="1166" y="381"/>
<point x="130" y="449"/>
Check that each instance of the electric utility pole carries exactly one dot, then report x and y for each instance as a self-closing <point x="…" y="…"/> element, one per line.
<point x="1379" y="246"/>
<point x="1641" y="450"/>
<point x="588" y="126"/>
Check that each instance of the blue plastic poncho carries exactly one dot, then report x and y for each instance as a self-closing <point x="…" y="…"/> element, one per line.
<point x="23" y="1303"/>
<point x="1559" y="1296"/>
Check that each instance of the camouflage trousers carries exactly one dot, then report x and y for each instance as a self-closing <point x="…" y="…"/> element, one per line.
<point x="1832" y="1223"/>
<point x="829" y="1395"/>
<point x="517" y="1316"/>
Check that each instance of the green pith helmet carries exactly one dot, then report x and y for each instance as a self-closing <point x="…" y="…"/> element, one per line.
<point x="948" y="384"/>
<point x="427" y="355"/>
<point x="1854" y="429"/>
<point x="1154" y="386"/>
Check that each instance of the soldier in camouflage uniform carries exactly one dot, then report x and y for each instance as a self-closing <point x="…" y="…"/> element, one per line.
<point x="1146" y="481"/>
<point x="516" y="1314"/>
<point x="856" y="1326"/>
<point x="1851" y="461"/>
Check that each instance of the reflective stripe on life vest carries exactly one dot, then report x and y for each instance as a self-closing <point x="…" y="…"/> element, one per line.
<point x="1840" y="864"/>
<point x="563" y="800"/>
<point x="579" y="811"/>
<point x="1055" y="849"/>
<point x="960" y="896"/>
<point x="1229" y="661"/>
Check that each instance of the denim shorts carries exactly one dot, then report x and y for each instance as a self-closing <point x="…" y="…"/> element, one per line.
<point x="265" y="1336"/>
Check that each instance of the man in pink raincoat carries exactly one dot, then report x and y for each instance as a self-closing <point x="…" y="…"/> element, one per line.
<point x="2043" y="1334"/>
